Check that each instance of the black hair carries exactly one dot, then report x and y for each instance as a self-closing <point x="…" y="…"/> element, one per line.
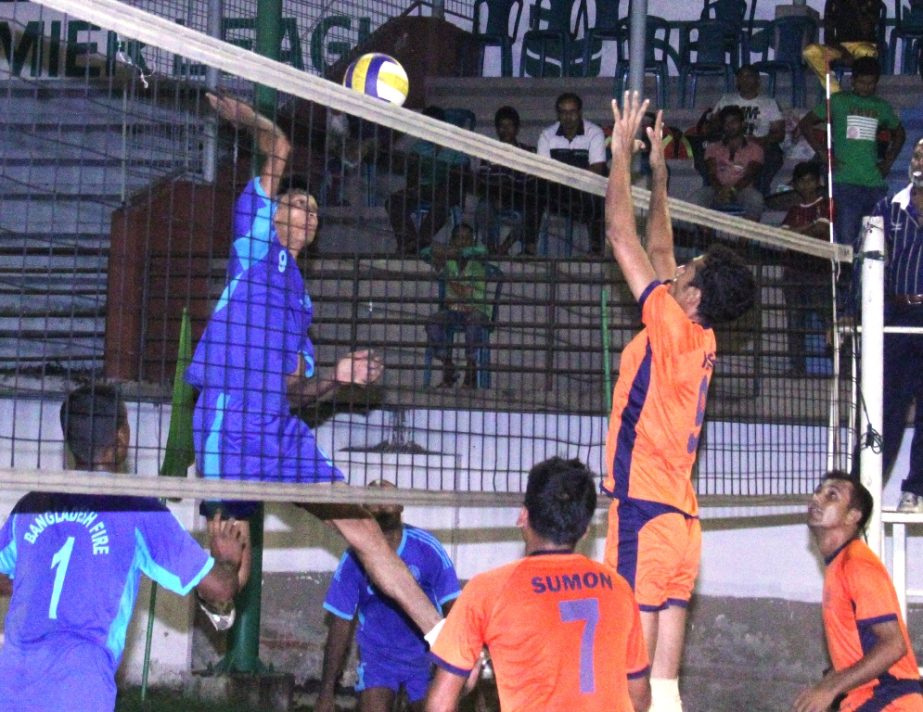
<point x="731" y="110"/>
<point x="727" y="285"/>
<point x="568" y="96"/>
<point x="91" y="418"/>
<point x="560" y="500"/>
<point x="506" y="112"/>
<point x="860" y="498"/>
<point x="292" y="183"/>
<point x="746" y="69"/>
<point x="866" y="67"/>
<point x="806" y="168"/>
<point x="462" y="226"/>
<point x="434" y="112"/>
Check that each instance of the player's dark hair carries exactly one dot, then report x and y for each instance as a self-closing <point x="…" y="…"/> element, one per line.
<point x="91" y="417"/>
<point x="560" y="499"/>
<point x="731" y="110"/>
<point x="806" y="168"/>
<point x="292" y="183"/>
<point x="866" y="67"/>
<point x="506" y="113"/>
<point x="860" y="498"/>
<point x="568" y="96"/>
<point x="727" y="286"/>
<point x="746" y="69"/>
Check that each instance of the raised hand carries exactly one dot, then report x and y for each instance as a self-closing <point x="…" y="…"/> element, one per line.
<point x="626" y="123"/>
<point x="655" y="136"/>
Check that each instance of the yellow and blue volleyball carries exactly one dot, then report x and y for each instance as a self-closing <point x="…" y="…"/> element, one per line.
<point x="380" y="76"/>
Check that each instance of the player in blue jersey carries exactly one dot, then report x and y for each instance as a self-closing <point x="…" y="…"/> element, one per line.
<point x="76" y="560"/>
<point x="392" y="653"/>
<point x="256" y="352"/>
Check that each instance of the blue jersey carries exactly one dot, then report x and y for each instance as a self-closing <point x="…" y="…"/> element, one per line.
<point x="242" y="426"/>
<point x="75" y="561"/>
<point x="384" y="631"/>
<point x="260" y="324"/>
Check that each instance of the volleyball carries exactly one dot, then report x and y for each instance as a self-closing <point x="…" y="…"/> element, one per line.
<point x="380" y="76"/>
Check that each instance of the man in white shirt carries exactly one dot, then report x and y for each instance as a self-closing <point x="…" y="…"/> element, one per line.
<point x="581" y="144"/>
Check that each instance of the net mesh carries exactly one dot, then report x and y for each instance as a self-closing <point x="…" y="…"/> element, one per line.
<point x="112" y="223"/>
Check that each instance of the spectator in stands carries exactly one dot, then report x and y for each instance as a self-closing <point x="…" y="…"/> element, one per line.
<point x="903" y="353"/>
<point x="858" y="172"/>
<point x="581" y="144"/>
<point x="733" y="166"/>
<point x="806" y="283"/>
<point x="503" y="191"/>
<point x="392" y="652"/>
<point x="435" y="183"/>
<point x="763" y="122"/>
<point x="850" y="32"/>
<point x="466" y="307"/>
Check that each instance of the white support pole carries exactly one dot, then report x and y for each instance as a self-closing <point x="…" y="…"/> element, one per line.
<point x="873" y="271"/>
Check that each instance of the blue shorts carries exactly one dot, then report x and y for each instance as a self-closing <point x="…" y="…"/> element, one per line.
<point x="237" y="440"/>
<point x="380" y="673"/>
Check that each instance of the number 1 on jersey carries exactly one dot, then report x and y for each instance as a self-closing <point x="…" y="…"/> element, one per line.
<point x="60" y="561"/>
<point x="584" y="609"/>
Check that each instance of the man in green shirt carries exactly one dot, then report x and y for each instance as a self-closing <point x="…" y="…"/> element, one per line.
<point x="466" y="307"/>
<point x="858" y="170"/>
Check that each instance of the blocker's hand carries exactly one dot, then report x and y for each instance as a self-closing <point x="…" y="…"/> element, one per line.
<point x="626" y="123"/>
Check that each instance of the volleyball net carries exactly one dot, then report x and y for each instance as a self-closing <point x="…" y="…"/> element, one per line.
<point x="118" y="215"/>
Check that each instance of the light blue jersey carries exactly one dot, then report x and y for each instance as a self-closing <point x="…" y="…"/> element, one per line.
<point x="76" y="561"/>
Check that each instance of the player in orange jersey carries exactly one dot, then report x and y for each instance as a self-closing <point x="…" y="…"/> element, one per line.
<point x="658" y="404"/>
<point x="873" y="662"/>
<point x="563" y="631"/>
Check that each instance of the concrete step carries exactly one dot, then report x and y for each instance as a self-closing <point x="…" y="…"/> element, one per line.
<point x="65" y="304"/>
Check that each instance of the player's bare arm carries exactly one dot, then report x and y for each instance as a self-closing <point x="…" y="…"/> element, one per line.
<point x="360" y="368"/>
<point x="621" y="229"/>
<point x="659" y="225"/>
<point x="889" y="647"/>
<point x="444" y="692"/>
<point x="270" y="139"/>
<point x="339" y="639"/>
<point x="226" y="541"/>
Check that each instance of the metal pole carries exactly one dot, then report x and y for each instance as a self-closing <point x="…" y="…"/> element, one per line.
<point x="873" y="323"/>
<point x="636" y="46"/>
<point x="244" y="651"/>
<point x="210" y="147"/>
<point x="439" y="9"/>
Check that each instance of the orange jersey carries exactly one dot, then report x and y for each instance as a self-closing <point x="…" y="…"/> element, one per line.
<point x="858" y="593"/>
<point x="658" y="405"/>
<point x="563" y="632"/>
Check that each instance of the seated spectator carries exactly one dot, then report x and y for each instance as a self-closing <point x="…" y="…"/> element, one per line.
<point x="580" y="144"/>
<point x="466" y="306"/>
<point x="850" y="32"/>
<point x="503" y="190"/>
<point x="392" y="653"/>
<point x="806" y="283"/>
<point x="733" y="166"/>
<point x="435" y="183"/>
<point x="763" y="122"/>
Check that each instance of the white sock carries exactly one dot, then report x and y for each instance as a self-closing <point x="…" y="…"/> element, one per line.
<point x="665" y="695"/>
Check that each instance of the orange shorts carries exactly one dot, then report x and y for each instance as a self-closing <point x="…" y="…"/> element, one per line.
<point x="657" y="549"/>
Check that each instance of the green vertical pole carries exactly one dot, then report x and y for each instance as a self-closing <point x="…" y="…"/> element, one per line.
<point x="244" y="650"/>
